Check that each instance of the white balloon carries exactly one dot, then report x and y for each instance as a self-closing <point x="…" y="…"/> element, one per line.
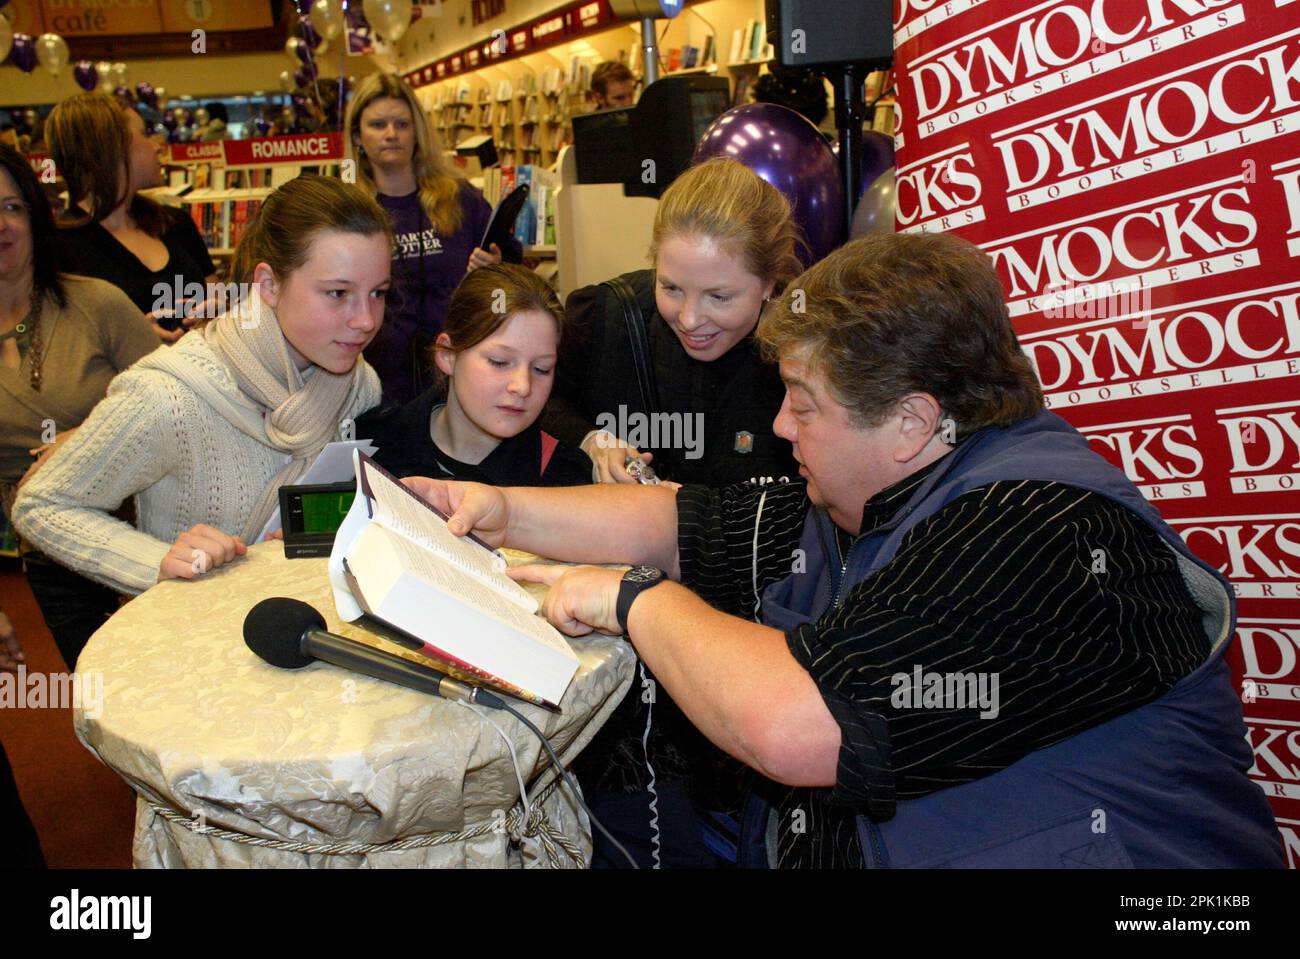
<point x="389" y="17"/>
<point x="161" y="94"/>
<point x="105" y="71"/>
<point x="877" y="209"/>
<point x="6" y="38"/>
<point x="121" y="74"/>
<point x="52" y="52"/>
<point x="286" y="81"/>
<point x="327" y="18"/>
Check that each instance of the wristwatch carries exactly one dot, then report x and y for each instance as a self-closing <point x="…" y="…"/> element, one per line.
<point x="635" y="582"/>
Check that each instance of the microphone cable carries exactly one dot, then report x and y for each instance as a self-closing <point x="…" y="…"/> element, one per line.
<point x="484" y="697"/>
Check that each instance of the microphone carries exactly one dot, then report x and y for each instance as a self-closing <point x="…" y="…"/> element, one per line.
<point x="291" y="634"/>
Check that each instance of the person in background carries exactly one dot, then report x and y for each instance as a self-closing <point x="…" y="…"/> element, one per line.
<point x="613" y="84"/>
<point x="20" y="847"/>
<point x="438" y="217"/>
<point x="218" y="120"/>
<point x="109" y="230"/>
<point x="495" y="371"/>
<point x="205" y="433"/>
<point x="62" y="340"/>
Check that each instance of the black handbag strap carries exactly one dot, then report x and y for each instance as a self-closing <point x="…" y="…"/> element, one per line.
<point x="640" y="340"/>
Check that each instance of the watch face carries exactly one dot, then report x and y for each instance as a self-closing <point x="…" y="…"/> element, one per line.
<point x="642" y="574"/>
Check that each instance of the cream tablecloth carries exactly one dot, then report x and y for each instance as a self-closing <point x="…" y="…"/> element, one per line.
<point x="212" y="738"/>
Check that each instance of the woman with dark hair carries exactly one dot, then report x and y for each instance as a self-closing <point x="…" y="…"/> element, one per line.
<point x="62" y="339"/>
<point x="438" y="217"/>
<point x="203" y="434"/>
<point x="109" y="230"/>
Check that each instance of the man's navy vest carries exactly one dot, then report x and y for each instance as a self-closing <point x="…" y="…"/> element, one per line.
<point x="1163" y="785"/>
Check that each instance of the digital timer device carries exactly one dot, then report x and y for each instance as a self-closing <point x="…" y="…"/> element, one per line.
<point x="311" y="515"/>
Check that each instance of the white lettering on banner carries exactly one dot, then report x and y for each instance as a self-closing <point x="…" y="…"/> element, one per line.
<point x="1259" y="326"/>
<point x="945" y="85"/>
<point x="1270" y="648"/>
<point x="278" y="148"/>
<point x="949" y="221"/>
<point x="1258" y="553"/>
<point x="928" y="17"/>
<point x="937" y="187"/>
<point x="1117" y="130"/>
<point x="1261" y="438"/>
<point x="1290" y="181"/>
<point x="1159" y="449"/>
<point x="1077" y="252"/>
<point x="1290" y="828"/>
<point x="1276" y="745"/>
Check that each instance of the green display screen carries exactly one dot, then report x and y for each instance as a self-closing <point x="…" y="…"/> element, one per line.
<point x="324" y="512"/>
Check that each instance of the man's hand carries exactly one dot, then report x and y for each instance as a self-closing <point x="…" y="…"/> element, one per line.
<point x="470" y="507"/>
<point x="197" y="550"/>
<point x="11" y="651"/>
<point x="580" y="599"/>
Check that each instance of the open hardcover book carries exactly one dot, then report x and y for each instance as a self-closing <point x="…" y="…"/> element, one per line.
<point x="395" y="560"/>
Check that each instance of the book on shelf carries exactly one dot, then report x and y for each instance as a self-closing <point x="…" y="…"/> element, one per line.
<point x="757" y="41"/>
<point x="674" y="59"/>
<point x="710" y="54"/>
<point x="737" y="44"/>
<point x="395" y="560"/>
<point x="690" y="57"/>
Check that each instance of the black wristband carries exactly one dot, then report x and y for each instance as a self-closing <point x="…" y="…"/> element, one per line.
<point x="635" y="582"/>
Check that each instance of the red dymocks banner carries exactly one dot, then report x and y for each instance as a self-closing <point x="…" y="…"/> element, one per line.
<point x="1132" y="169"/>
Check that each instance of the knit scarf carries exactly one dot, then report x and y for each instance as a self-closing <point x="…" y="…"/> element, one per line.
<point x="281" y="407"/>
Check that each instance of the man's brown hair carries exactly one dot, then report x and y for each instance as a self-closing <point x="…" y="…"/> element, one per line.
<point x="611" y="71"/>
<point x="886" y="315"/>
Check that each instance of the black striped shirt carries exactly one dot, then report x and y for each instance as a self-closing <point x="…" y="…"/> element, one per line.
<point x="1072" y="602"/>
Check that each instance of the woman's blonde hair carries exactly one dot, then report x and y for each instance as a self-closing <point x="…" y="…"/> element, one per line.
<point x="725" y="201"/>
<point x="439" y="183"/>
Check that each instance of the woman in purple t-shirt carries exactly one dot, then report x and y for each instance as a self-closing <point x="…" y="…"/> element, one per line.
<point x="438" y="219"/>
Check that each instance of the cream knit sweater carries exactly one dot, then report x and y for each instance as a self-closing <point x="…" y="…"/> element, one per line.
<point x="152" y="438"/>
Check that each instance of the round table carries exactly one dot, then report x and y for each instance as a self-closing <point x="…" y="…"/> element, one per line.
<point x="238" y="763"/>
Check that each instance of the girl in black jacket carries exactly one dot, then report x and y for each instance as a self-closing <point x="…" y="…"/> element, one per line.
<point x="496" y="362"/>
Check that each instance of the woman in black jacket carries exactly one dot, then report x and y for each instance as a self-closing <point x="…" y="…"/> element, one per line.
<point x="701" y="408"/>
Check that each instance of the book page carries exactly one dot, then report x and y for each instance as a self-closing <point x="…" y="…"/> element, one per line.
<point x="465" y="588"/>
<point x="401" y="511"/>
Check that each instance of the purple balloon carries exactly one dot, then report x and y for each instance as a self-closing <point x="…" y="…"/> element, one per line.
<point x="787" y="151"/>
<point x="23" y="53"/>
<point x="262" y="125"/>
<point x="144" y="90"/>
<point x="85" y="75"/>
<point x="169" y="123"/>
<point x="305" y="75"/>
<point x="877" y="154"/>
<point x="309" y="34"/>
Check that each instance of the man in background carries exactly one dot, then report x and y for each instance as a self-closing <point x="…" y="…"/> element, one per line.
<point x="613" y="84"/>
